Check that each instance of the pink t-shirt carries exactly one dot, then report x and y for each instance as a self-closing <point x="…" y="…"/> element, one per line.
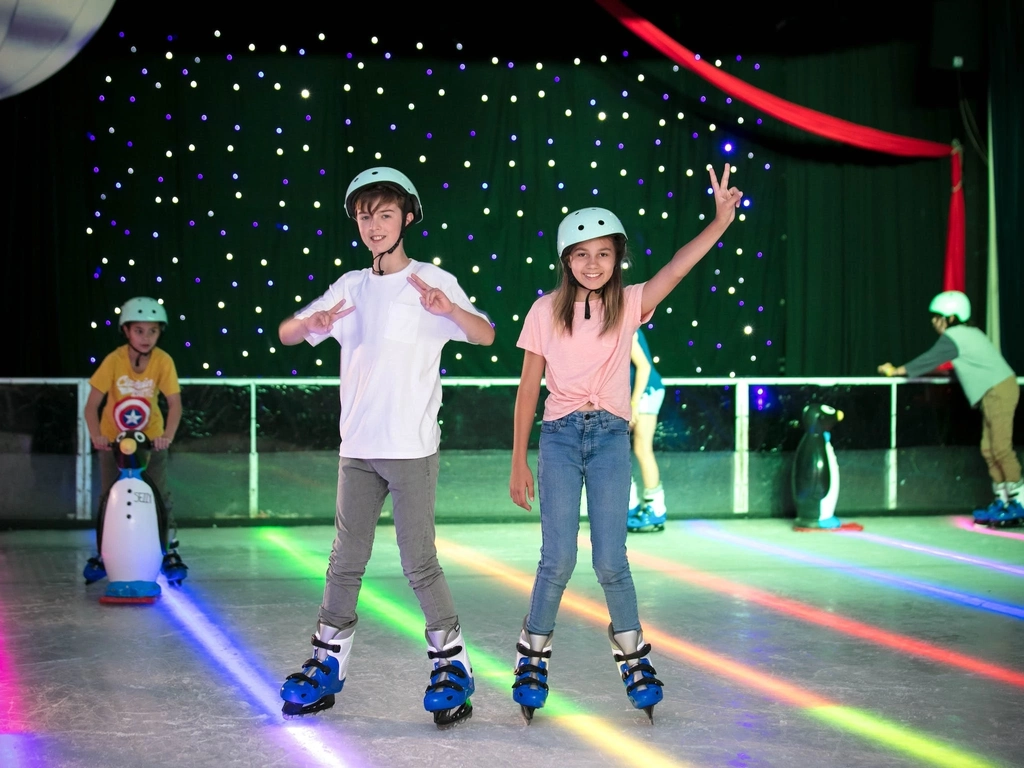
<point x="585" y="367"/>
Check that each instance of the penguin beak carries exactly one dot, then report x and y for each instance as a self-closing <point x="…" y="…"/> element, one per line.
<point x="839" y="415"/>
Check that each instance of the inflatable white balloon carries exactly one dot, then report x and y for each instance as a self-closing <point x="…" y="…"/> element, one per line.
<point x="38" y="37"/>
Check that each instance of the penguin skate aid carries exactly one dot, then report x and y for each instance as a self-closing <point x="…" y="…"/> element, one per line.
<point x="580" y="337"/>
<point x="990" y="384"/>
<point x="408" y="310"/>
<point x="131" y="379"/>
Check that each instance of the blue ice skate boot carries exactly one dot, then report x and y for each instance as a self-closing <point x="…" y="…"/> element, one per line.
<point x="323" y="675"/>
<point x="173" y="568"/>
<point x="1009" y="515"/>
<point x="646" y="520"/>
<point x="983" y="516"/>
<point x="530" y="690"/>
<point x="94" y="570"/>
<point x="630" y="653"/>
<point x="451" y="680"/>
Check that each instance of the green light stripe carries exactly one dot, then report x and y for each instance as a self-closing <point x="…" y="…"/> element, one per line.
<point x="897" y="737"/>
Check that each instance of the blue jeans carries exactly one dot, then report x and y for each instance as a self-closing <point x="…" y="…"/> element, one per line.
<point x="591" y="447"/>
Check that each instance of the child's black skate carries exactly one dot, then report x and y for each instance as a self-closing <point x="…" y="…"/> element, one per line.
<point x="173" y="567"/>
<point x="530" y="690"/>
<point x="642" y="687"/>
<point x="451" y="680"/>
<point x="94" y="570"/>
<point x="323" y="675"/>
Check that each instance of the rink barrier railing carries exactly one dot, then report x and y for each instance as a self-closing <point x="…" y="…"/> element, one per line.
<point x="741" y="453"/>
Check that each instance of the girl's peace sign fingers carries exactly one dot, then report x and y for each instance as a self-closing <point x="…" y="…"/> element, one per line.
<point x="337" y="312"/>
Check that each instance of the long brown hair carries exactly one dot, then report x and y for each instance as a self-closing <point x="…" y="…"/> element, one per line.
<point x="612" y="296"/>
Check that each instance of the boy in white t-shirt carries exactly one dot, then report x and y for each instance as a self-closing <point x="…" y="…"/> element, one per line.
<point x="391" y="321"/>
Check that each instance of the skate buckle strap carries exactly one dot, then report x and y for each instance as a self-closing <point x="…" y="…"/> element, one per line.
<point x="455" y="650"/>
<point x="325" y="646"/>
<point x="640" y="652"/>
<point x="531" y="681"/>
<point x="526" y="651"/>
<point x="303" y="677"/>
<point x="449" y="670"/>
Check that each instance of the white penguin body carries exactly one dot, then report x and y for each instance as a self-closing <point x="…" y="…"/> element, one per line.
<point x="131" y="533"/>
<point x="827" y="505"/>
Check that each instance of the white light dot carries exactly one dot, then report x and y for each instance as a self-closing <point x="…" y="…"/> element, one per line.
<point x="350" y="149"/>
<point x="593" y="163"/>
<point x="625" y="115"/>
<point x="437" y="261"/>
<point x="373" y="39"/>
<point x="519" y="214"/>
<point x="748" y="330"/>
<point x="231" y="147"/>
<point x="739" y="251"/>
<point x="244" y="353"/>
<point x="168" y="153"/>
<point x="423" y="158"/>
<point x="252" y="47"/>
<point x="732" y="290"/>
<point x="541" y="94"/>
<point x="622" y="172"/>
<point x="511" y="163"/>
<point x="169" y="55"/>
<point x="319" y="361"/>
<point x="601" y="115"/>
<point x="305" y="93"/>
<point x="494" y="358"/>
<point x="158" y="199"/>
<point x="642" y="211"/>
<point x="263" y="262"/>
<point x="483" y="97"/>
<point x="576" y="62"/>
<point x="206" y="366"/>
<point x="280" y="151"/>
<point x="234" y="87"/>
<point x="440" y="92"/>
<point x="513" y="98"/>
<point x="694" y="323"/>
<point x="679" y="115"/>
<point x="458" y="355"/>
<point x="194" y="84"/>
<point x="174" y="199"/>
<point x="466" y="164"/>
<point x="346" y="87"/>
<point x="238" y="195"/>
<point x="486" y="212"/>
<point x="603" y="58"/>
<point x="380" y="89"/>
<point x="305" y="147"/>
<point x="711" y="127"/>
<point x="743" y="217"/>
<point x="668" y="311"/>
<point x="753" y="358"/>
<point x="411" y="105"/>
<point x="739" y="120"/>
<point x="551" y="163"/>
<point x="664" y="214"/>
<point x="475" y="269"/>
<point x="568" y="113"/>
<point x="220" y="304"/>
<point x="494" y="60"/>
<point x="718" y="62"/>
<point x="419" y="46"/>
<point x="298" y="298"/>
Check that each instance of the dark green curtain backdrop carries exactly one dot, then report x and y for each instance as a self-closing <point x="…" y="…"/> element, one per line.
<point x="840" y="249"/>
<point x="1006" y="20"/>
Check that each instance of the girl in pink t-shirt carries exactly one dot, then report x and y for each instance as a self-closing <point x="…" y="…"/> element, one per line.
<point x="579" y="338"/>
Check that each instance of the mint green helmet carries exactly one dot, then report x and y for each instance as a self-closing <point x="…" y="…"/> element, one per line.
<point x="142" y="309"/>
<point x="950" y="304"/>
<point x="586" y="224"/>
<point x="388" y="176"/>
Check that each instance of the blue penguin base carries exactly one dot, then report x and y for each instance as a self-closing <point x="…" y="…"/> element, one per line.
<point x="828" y="525"/>
<point x="129" y="592"/>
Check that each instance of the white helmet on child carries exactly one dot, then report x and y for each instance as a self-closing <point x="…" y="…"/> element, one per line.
<point x="388" y="176"/>
<point x="950" y="303"/>
<point x="142" y="309"/>
<point x="586" y="224"/>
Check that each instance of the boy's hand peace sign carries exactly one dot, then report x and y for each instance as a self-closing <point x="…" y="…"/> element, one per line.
<point x="323" y="321"/>
<point x="727" y="199"/>
<point x="433" y="300"/>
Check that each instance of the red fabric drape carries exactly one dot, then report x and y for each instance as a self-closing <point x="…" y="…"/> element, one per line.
<point x="817" y="123"/>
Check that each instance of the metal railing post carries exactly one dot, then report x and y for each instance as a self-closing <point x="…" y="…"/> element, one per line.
<point x="254" y="457"/>
<point x="741" y="455"/>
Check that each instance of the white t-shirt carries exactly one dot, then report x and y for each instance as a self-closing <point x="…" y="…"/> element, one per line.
<point x="390" y="360"/>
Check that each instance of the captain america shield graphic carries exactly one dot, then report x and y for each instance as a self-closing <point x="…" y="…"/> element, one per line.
<point x="131" y="413"/>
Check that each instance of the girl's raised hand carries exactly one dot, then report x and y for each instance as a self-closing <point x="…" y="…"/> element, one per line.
<point x="324" y="320"/>
<point x="433" y="300"/>
<point x="727" y="199"/>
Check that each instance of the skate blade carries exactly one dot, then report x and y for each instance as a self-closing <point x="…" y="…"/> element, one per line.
<point x="444" y="721"/>
<point x="108" y="600"/>
<point x="527" y="713"/>
<point x="650" y="713"/>
<point x="293" y="711"/>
